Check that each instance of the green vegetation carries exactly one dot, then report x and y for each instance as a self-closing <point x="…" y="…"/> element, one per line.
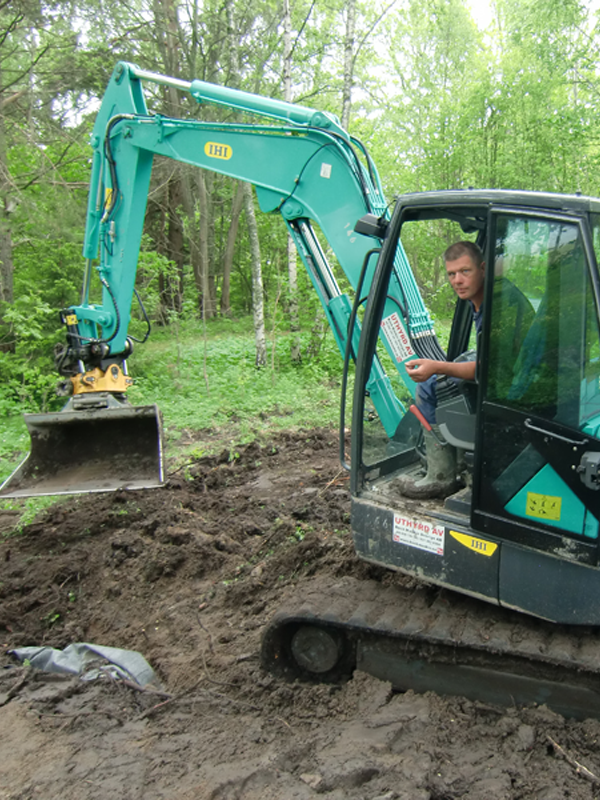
<point x="439" y="101"/>
<point x="214" y="384"/>
<point x="227" y="398"/>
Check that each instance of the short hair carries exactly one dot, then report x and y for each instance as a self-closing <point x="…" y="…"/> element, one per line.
<point x="459" y="249"/>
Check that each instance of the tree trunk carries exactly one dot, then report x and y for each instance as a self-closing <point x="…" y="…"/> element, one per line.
<point x="348" y="62"/>
<point x="171" y="286"/>
<point x="167" y="25"/>
<point x="6" y="267"/>
<point x="258" y="312"/>
<point x="236" y="210"/>
<point x="6" y="208"/>
<point x="296" y="345"/>
<point x="317" y="334"/>
<point x="294" y="317"/>
<point x="188" y="204"/>
<point x="208" y="310"/>
<point x="6" y="260"/>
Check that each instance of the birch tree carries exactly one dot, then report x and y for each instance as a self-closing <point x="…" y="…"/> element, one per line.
<point x="348" y="62"/>
<point x="258" y="310"/>
<point x="292" y="256"/>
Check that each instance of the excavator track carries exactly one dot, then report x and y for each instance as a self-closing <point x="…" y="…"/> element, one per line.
<point x="424" y="639"/>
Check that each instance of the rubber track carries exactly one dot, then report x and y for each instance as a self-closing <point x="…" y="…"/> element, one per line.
<point x="445" y="627"/>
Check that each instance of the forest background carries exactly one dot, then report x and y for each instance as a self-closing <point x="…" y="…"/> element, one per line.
<point x="440" y="101"/>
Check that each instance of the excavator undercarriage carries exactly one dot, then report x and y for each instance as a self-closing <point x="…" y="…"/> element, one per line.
<point x="426" y="639"/>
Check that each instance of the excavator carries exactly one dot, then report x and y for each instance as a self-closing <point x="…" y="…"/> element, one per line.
<point x="501" y="602"/>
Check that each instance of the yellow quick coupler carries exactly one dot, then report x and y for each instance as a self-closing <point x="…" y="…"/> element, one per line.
<point x="113" y="380"/>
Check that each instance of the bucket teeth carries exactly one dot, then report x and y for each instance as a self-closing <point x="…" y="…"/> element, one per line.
<point x="99" y="450"/>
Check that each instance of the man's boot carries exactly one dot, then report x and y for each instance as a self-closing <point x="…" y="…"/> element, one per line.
<point x="440" y="479"/>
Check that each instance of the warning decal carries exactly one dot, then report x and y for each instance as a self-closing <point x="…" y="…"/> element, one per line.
<point x="543" y="506"/>
<point x="419" y="533"/>
<point x="397" y="337"/>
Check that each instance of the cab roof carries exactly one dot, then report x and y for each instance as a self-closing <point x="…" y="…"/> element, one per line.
<point x="469" y="207"/>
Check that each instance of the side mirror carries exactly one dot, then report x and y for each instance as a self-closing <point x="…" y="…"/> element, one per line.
<point x="370" y="225"/>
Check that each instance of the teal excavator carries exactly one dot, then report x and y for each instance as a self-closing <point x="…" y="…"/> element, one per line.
<point x="523" y="535"/>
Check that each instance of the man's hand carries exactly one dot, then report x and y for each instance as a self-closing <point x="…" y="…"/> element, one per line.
<point x="420" y="369"/>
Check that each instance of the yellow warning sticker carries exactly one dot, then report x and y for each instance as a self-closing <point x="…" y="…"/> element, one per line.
<point x="543" y="506"/>
<point x="107" y="196"/>
<point x="71" y="319"/>
<point x="478" y="545"/>
<point x="215" y="150"/>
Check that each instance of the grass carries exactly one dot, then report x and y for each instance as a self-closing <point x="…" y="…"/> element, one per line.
<point x="211" y="394"/>
<point x="215" y="385"/>
<point x="211" y="386"/>
<point x="14" y="442"/>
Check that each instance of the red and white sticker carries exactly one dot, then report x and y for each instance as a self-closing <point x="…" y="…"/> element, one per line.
<point x="419" y="533"/>
<point x="397" y="337"/>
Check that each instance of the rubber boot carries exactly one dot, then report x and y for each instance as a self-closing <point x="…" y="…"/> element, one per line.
<point x="440" y="479"/>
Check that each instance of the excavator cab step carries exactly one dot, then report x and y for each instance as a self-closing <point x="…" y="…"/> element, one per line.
<point x="90" y="450"/>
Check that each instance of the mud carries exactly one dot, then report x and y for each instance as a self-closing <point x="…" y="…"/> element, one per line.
<point x="189" y="575"/>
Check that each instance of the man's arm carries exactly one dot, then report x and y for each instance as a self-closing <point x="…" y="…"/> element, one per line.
<point x="420" y="369"/>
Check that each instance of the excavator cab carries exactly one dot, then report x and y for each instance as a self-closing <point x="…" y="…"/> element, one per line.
<point x="529" y="520"/>
<point x="524" y="532"/>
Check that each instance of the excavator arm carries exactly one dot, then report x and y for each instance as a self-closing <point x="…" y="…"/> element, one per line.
<point x="307" y="169"/>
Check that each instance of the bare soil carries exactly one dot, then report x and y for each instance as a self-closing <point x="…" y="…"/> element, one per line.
<point x="189" y="575"/>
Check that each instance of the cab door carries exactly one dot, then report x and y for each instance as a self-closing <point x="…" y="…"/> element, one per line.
<point x="537" y="453"/>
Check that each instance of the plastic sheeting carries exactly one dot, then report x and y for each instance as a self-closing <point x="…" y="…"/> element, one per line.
<point x="90" y="661"/>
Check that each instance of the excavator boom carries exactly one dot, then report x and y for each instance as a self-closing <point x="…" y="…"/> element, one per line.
<point x="305" y="168"/>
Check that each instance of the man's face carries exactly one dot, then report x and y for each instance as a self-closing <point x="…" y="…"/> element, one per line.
<point x="466" y="278"/>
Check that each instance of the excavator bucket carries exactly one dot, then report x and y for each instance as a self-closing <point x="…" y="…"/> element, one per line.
<point x="94" y="450"/>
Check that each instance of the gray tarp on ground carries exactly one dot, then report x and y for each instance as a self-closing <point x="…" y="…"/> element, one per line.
<point x="83" y="659"/>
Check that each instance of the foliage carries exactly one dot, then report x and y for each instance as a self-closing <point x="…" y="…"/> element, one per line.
<point x="234" y="404"/>
<point x="440" y="102"/>
<point x="233" y="391"/>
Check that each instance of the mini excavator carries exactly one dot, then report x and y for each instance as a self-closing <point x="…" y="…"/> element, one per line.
<point x="523" y="535"/>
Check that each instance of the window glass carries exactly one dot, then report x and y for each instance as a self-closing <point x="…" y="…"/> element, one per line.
<point x="595" y="223"/>
<point x="544" y="343"/>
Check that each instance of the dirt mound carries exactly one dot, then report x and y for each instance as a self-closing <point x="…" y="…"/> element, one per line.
<point x="188" y="575"/>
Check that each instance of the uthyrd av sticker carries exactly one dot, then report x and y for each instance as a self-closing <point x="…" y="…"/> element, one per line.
<point x="419" y="533"/>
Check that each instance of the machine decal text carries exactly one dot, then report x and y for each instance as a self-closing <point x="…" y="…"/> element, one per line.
<point x="419" y="533"/>
<point x="216" y="150"/>
<point x="475" y="544"/>
<point x="397" y="337"/>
